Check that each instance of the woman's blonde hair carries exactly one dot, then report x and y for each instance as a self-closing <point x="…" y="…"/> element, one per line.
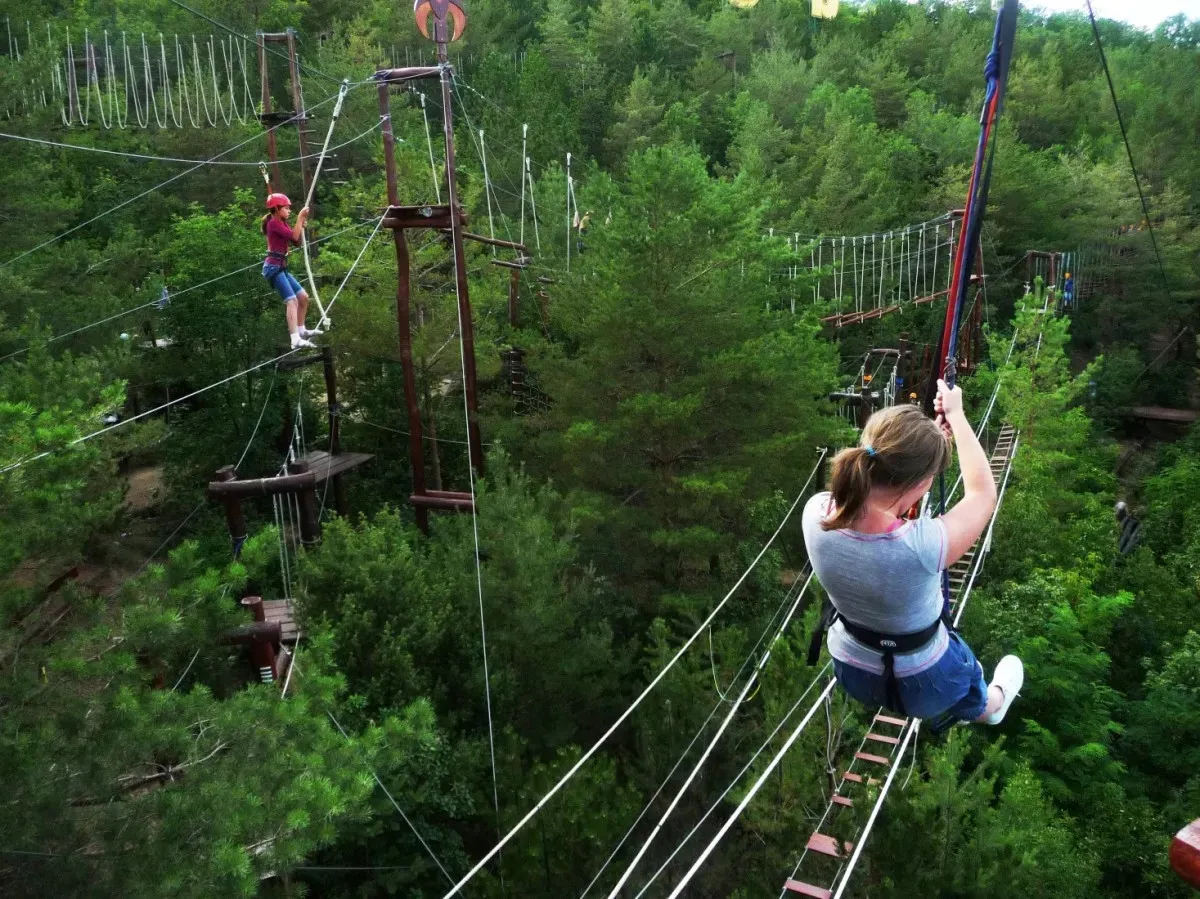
<point x="899" y="448"/>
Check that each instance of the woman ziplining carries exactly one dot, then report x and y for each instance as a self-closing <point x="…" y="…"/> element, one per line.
<point x="890" y="637"/>
<point x="281" y="237"/>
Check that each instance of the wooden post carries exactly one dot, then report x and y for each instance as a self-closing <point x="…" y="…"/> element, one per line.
<point x="865" y="405"/>
<point x="298" y="108"/>
<point x="234" y="519"/>
<point x="262" y="652"/>
<point x="310" y="519"/>
<point x="416" y="451"/>
<point x="265" y="79"/>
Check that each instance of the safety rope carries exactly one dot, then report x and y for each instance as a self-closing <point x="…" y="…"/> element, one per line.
<point x="323" y="321"/>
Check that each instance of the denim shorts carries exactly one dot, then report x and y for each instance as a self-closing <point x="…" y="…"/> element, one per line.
<point x="281" y="281"/>
<point x="952" y="689"/>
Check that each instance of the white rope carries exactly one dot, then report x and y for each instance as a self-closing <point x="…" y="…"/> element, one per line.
<point x="745" y="768"/>
<point x="487" y="188"/>
<point x="753" y="791"/>
<point x="866" y="831"/>
<point x="354" y="265"/>
<point x="437" y="188"/>
<point x="749" y="685"/>
<point x="699" y="732"/>
<point x="149" y="191"/>
<point x="459" y="277"/>
<point x="537" y="238"/>
<point x="396" y="806"/>
<point x="323" y="321"/>
<point x="583" y="759"/>
<point x="182" y="75"/>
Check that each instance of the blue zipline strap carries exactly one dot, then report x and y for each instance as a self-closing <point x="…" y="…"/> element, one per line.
<point x="995" y="72"/>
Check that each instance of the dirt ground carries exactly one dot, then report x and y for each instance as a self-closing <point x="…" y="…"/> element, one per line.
<point x="145" y="489"/>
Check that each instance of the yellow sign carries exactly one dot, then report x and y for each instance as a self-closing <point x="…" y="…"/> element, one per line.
<point x="825" y="9"/>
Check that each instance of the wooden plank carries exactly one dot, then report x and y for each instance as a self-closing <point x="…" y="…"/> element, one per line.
<point x="842" y="800"/>
<point x="880" y="738"/>
<point x="807" y="889"/>
<point x="877" y="759"/>
<point x="827" y="845"/>
<point x="887" y="719"/>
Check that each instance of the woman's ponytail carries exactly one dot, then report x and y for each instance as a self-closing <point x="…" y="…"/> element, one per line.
<point x="850" y="487"/>
<point x="265" y="219"/>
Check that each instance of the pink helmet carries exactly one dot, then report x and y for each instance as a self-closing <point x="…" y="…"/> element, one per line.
<point x="274" y="201"/>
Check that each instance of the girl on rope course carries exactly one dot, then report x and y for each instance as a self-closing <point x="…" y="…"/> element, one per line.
<point x="890" y="642"/>
<point x="281" y="237"/>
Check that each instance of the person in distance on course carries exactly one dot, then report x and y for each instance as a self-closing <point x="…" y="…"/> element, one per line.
<point x="281" y="237"/>
<point x="888" y="627"/>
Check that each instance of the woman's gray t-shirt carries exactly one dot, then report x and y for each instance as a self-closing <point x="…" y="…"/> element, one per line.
<point x="886" y="582"/>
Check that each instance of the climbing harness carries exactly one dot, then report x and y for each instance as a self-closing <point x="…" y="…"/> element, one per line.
<point x="887" y="645"/>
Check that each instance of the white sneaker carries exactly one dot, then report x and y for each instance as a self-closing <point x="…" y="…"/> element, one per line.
<point x="299" y="342"/>
<point x="1009" y="676"/>
<point x="305" y="332"/>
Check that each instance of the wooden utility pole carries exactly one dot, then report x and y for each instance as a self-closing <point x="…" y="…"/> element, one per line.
<point x="448" y="20"/>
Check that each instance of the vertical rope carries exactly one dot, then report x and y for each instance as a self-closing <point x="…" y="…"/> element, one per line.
<point x="487" y="188"/>
<point x="524" y="147"/>
<point x="537" y="238"/>
<point x="569" y="219"/>
<point x="437" y="187"/>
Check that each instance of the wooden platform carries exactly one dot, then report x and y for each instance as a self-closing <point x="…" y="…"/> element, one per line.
<point x="281" y="611"/>
<point x="324" y="466"/>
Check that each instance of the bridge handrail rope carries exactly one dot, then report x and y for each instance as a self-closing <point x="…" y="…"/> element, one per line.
<point x="641" y="696"/>
<point x="721" y="700"/>
<point x="753" y="791"/>
<point x="733" y="710"/>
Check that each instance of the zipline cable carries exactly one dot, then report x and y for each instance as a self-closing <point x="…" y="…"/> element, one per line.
<point x="140" y="415"/>
<point x="159" y="186"/>
<point x="151" y="158"/>
<point x="1112" y="90"/>
<point x="171" y="296"/>
<point x="641" y="696"/>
